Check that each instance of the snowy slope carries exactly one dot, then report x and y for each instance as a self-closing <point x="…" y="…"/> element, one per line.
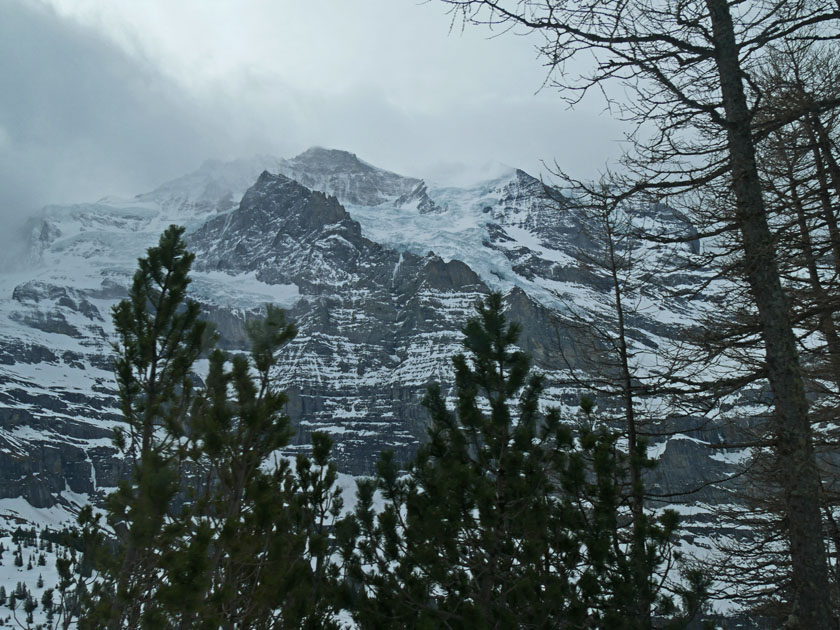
<point x="379" y="272"/>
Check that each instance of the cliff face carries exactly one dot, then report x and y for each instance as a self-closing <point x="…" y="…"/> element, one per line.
<point x="376" y="325"/>
<point x="379" y="272"/>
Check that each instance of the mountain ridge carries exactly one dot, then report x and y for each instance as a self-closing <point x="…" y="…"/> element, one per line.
<point x="380" y="293"/>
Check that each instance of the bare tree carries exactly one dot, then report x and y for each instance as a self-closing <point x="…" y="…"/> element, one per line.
<point x="616" y="363"/>
<point x="794" y="164"/>
<point x="690" y="67"/>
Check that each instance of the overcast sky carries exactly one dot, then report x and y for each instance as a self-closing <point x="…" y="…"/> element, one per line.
<point x="116" y="96"/>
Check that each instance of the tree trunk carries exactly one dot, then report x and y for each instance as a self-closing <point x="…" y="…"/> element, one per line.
<point x="793" y="440"/>
<point x="641" y="610"/>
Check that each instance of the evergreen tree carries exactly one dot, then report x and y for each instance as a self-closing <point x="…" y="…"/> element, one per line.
<point x="211" y="532"/>
<point x="29" y="606"/>
<point x="504" y="519"/>
<point x="256" y="557"/>
<point x="160" y="336"/>
<point x="47" y="600"/>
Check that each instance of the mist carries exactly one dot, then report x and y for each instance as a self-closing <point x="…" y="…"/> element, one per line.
<point x="92" y="107"/>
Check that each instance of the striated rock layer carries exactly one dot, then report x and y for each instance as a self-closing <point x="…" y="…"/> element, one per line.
<point x="379" y="271"/>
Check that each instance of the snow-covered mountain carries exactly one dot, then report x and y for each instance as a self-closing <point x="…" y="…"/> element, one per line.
<point x="379" y="271"/>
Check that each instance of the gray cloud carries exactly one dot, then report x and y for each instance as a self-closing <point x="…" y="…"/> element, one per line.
<point x="81" y="118"/>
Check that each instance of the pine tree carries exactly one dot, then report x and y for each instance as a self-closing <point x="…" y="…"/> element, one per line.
<point x="47" y="600"/>
<point x="160" y="335"/>
<point x="29" y="606"/>
<point x="504" y="519"/>
<point x="255" y="558"/>
<point x="208" y="535"/>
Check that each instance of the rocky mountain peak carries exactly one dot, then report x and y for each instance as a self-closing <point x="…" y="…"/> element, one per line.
<point x="331" y="159"/>
<point x="276" y="218"/>
<point x="344" y="175"/>
<point x="525" y="178"/>
<point x="300" y="209"/>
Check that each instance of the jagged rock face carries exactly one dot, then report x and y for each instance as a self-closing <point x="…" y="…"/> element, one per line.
<point x="378" y="271"/>
<point x="218" y="186"/>
<point x="347" y="177"/>
<point x="376" y="325"/>
<point x="418" y="199"/>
